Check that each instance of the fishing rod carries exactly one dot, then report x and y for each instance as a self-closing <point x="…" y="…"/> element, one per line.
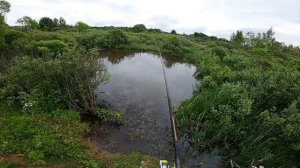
<point x="173" y="124"/>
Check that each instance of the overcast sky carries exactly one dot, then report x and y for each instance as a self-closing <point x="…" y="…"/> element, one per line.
<point x="212" y="17"/>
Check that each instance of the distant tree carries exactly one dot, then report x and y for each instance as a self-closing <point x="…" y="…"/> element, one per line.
<point x="139" y="28"/>
<point x="46" y="23"/>
<point x="27" y="23"/>
<point x="81" y="26"/>
<point x="55" y="22"/>
<point x="201" y="36"/>
<point x="155" y="30"/>
<point x="62" y="22"/>
<point x="4" y="7"/>
<point x="238" y="38"/>
<point x="268" y="37"/>
<point x="173" y="32"/>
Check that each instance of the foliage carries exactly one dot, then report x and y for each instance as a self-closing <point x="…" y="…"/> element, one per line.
<point x="12" y="36"/>
<point x="139" y="28"/>
<point x="67" y="81"/>
<point x="115" y="38"/>
<point x="81" y="26"/>
<point x="246" y="104"/>
<point x="173" y="32"/>
<point x="111" y="39"/>
<point x="238" y="38"/>
<point x="62" y="22"/>
<point x="28" y="23"/>
<point x="39" y="141"/>
<point x="55" y="47"/>
<point x="4" y="7"/>
<point x="242" y="101"/>
<point x="46" y="23"/>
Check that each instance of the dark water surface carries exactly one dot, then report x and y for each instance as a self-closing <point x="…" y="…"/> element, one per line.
<point x="137" y="88"/>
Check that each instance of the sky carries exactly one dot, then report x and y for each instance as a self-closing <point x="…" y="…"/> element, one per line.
<point x="213" y="17"/>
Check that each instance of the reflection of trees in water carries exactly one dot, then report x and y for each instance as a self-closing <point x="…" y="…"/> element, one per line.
<point x="169" y="60"/>
<point x="116" y="56"/>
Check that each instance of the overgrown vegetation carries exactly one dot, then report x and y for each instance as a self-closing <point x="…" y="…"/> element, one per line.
<point x="245" y="108"/>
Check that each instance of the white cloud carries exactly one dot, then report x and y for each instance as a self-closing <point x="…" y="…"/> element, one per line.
<point x="213" y="17"/>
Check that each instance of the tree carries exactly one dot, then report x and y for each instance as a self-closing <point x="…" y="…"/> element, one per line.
<point x="268" y="37"/>
<point x="139" y="28"/>
<point x="55" y="22"/>
<point x="4" y="7"/>
<point x="27" y="23"/>
<point x="81" y="26"/>
<point x="46" y="23"/>
<point x="201" y="36"/>
<point x="238" y="38"/>
<point x="173" y="32"/>
<point x="62" y="22"/>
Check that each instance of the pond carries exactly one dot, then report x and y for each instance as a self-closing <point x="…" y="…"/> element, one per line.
<point x="137" y="88"/>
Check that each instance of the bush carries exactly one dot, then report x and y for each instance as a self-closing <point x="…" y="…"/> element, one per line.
<point x="81" y="26"/>
<point x="48" y="84"/>
<point x="115" y="38"/>
<point x="245" y="111"/>
<point x="13" y="35"/>
<point x="111" y="39"/>
<point x="139" y="28"/>
<point x="55" y="47"/>
<point x="219" y="52"/>
<point x="173" y="32"/>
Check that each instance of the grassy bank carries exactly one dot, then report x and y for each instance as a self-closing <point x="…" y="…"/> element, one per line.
<point x="56" y="139"/>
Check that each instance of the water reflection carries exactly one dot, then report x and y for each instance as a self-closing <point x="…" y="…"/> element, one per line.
<point x="137" y="88"/>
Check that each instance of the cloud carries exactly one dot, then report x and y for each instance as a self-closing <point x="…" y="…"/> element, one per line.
<point x="213" y="17"/>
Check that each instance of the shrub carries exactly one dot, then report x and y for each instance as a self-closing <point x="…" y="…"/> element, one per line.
<point x="111" y="39"/>
<point x="67" y="81"/>
<point x="55" y="47"/>
<point x="81" y="26"/>
<point x="115" y="38"/>
<point x="219" y="52"/>
<point x="139" y="28"/>
<point x="13" y="35"/>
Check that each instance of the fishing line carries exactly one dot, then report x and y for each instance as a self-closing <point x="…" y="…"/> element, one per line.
<point x="173" y="124"/>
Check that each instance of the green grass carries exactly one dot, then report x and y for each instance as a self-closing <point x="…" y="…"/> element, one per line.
<point x="53" y="140"/>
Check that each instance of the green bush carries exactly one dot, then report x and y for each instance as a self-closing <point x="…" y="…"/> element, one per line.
<point x="12" y="36"/>
<point x="111" y="39"/>
<point x="65" y="82"/>
<point x="115" y="38"/>
<point x="246" y="107"/>
<point x="139" y="28"/>
<point x="55" y="47"/>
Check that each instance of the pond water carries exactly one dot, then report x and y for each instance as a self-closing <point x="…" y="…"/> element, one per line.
<point x="137" y="88"/>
